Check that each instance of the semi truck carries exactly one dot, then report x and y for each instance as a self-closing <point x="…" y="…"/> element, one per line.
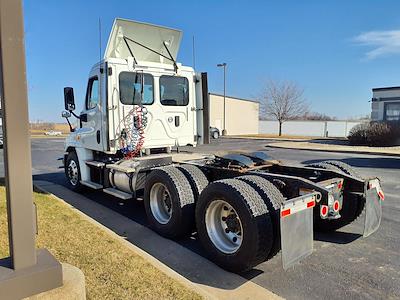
<point x="142" y="106"/>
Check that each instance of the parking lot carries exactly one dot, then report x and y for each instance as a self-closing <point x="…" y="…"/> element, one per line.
<point x="343" y="265"/>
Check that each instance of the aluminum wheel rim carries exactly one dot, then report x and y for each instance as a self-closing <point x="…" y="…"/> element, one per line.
<point x="224" y="226"/>
<point x="160" y="203"/>
<point x="73" y="173"/>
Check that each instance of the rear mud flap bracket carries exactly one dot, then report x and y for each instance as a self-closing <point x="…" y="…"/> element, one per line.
<point x="296" y="224"/>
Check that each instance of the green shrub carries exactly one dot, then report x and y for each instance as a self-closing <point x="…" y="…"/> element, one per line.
<point x="375" y="134"/>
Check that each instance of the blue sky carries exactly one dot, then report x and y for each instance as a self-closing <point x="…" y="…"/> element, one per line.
<point x="335" y="50"/>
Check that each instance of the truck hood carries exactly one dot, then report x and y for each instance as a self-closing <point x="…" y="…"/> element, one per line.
<point x="148" y="35"/>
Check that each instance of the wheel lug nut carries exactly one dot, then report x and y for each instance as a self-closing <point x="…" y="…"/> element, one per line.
<point x="227" y="230"/>
<point x="224" y="219"/>
<point x="234" y="239"/>
<point x="225" y="208"/>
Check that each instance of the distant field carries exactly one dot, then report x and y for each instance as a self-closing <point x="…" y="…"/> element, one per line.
<point x="41" y="129"/>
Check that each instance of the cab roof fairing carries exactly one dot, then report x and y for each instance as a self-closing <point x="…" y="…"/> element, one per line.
<point x="141" y="37"/>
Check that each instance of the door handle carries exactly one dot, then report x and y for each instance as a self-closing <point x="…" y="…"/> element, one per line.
<point x="177" y="121"/>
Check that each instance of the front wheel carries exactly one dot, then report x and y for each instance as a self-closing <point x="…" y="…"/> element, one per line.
<point x="73" y="172"/>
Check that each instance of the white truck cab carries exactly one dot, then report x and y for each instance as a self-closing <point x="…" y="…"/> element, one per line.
<point x="140" y="69"/>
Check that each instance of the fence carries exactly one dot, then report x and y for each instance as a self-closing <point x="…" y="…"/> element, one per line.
<point x="309" y="128"/>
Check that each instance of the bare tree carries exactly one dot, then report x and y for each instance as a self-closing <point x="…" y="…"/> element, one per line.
<point x="315" y="116"/>
<point x="283" y="101"/>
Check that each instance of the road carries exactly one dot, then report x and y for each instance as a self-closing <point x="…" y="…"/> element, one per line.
<point x="343" y="265"/>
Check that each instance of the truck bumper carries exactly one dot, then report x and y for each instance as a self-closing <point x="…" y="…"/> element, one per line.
<point x="296" y="222"/>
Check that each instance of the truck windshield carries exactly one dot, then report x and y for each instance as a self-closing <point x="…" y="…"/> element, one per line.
<point x="174" y="90"/>
<point x="130" y="86"/>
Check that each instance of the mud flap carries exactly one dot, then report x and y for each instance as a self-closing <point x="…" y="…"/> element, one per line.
<point x="373" y="207"/>
<point x="296" y="224"/>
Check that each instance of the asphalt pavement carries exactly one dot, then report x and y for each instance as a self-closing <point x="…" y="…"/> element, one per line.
<point x="343" y="265"/>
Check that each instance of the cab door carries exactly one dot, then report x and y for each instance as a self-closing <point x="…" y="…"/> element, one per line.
<point x="172" y="116"/>
<point x="91" y="116"/>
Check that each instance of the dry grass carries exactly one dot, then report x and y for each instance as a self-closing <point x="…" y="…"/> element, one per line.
<point x="40" y="129"/>
<point x="112" y="271"/>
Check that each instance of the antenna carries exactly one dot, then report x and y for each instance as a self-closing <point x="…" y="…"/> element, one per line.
<point x="194" y="57"/>
<point x="99" y="39"/>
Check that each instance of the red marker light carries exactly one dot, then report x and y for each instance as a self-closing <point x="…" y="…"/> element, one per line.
<point x="324" y="210"/>
<point x="336" y="205"/>
<point x="340" y="185"/>
<point x="381" y="195"/>
<point x="311" y="204"/>
<point x="285" y="212"/>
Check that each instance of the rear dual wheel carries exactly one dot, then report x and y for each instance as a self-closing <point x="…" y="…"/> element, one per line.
<point x="273" y="199"/>
<point x="169" y="202"/>
<point x="234" y="225"/>
<point x="170" y="194"/>
<point x="233" y="218"/>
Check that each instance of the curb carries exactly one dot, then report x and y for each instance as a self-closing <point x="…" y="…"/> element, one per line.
<point x="264" y="138"/>
<point x="337" y="151"/>
<point x="245" y="289"/>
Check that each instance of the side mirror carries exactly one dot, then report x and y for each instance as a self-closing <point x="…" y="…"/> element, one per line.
<point x="69" y="101"/>
<point x="66" y="114"/>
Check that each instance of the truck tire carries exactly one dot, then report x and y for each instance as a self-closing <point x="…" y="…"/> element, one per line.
<point x="349" y="211"/>
<point x="273" y="199"/>
<point x="73" y="172"/>
<point x="169" y="202"/>
<point x="198" y="181"/>
<point x="234" y="225"/>
<point x="345" y="168"/>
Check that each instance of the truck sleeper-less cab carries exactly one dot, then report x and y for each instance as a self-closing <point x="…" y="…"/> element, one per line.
<point x="140" y="104"/>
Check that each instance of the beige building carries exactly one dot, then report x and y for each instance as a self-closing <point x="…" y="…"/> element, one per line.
<point x="241" y="114"/>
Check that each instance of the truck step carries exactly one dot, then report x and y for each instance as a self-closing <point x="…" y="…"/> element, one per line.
<point x="92" y="185"/>
<point x="118" y="193"/>
<point x="94" y="163"/>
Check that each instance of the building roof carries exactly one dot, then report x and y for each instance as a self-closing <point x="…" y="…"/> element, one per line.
<point x="236" y="98"/>
<point x="386" y="99"/>
<point x="389" y="88"/>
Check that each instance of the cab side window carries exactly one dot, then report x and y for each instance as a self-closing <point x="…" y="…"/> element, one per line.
<point x="92" y="94"/>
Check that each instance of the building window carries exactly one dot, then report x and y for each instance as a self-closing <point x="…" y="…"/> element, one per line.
<point x="392" y="111"/>
<point x="174" y="90"/>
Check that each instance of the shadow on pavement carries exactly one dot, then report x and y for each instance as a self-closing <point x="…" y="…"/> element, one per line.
<point x="337" y="237"/>
<point x="367" y="162"/>
<point x="330" y="141"/>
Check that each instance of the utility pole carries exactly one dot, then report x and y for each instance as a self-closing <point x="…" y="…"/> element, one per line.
<point x="27" y="271"/>
<point x="224" y="132"/>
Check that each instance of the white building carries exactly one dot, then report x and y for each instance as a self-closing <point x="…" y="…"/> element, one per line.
<point x="385" y="104"/>
<point x="241" y="114"/>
